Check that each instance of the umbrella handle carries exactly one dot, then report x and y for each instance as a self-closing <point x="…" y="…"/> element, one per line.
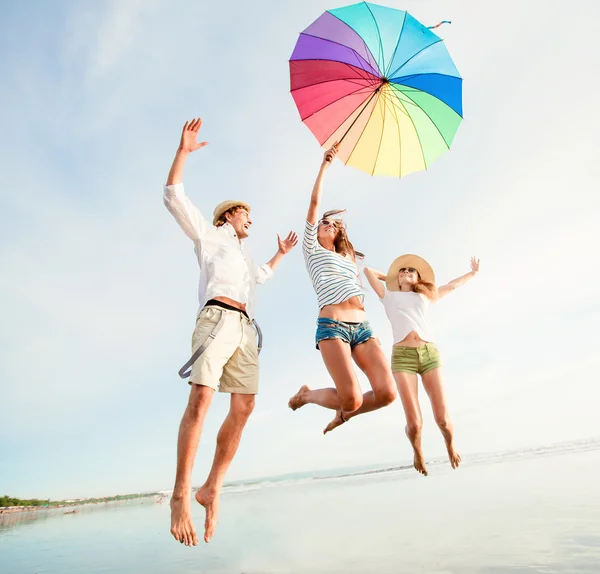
<point x="359" y="114"/>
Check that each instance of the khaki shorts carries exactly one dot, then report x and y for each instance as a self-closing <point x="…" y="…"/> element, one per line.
<point x="230" y="362"/>
<point x="415" y="359"/>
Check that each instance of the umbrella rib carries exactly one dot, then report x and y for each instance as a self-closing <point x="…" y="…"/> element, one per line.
<point x="350" y="81"/>
<point x="359" y="37"/>
<point x="331" y="104"/>
<point x="358" y="56"/>
<point x="415" y="128"/>
<point x="381" y="137"/>
<point x="397" y="44"/>
<point x="371" y="80"/>
<point x="414" y="56"/>
<point x="358" y="116"/>
<point x="392" y="98"/>
<point x="409" y="88"/>
<point x="395" y="112"/>
<point x="430" y="118"/>
<point x="379" y="34"/>
<point x="342" y="122"/>
<point x="363" y="131"/>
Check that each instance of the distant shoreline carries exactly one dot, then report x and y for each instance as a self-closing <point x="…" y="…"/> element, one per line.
<point x="253" y="484"/>
<point x="76" y="503"/>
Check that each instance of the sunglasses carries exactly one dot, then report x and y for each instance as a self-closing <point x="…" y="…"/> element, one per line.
<point x="333" y="222"/>
<point x="408" y="270"/>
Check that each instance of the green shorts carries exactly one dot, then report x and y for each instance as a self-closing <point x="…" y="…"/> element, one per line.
<point x="415" y="359"/>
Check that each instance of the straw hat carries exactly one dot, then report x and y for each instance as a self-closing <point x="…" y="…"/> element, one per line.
<point x="226" y="206"/>
<point x="414" y="261"/>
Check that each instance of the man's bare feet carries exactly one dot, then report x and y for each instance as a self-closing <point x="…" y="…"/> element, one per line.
<point x="419" y="463"/>
<point x="182" y="527"/>
<point x="454" y="457"/>
<point x="336" y="422"/>
<point x="299" y="399"/>
<point x="210" y="501"/>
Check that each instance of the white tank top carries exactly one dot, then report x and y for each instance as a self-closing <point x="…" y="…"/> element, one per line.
<point x="407" y="311"/>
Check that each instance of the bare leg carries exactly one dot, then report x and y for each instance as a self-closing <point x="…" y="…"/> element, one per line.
<point x="373" y="363"/>
<point x="347" y="394"/>
<point x="409" y="395"/>
<point x="228" y="441"/>
<point x="190" y="429"/>
<point x="327" y="398"/>
<point x="434" y="385"/>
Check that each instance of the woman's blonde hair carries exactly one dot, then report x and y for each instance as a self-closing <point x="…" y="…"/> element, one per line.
<point x="341" y="243"/>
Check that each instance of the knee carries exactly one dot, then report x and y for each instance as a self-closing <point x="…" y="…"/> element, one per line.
<point x="199" y="401"/>
<point x="414" y="427"/>
<point x="351" y="403"/>
<point x="443" y="422"/>
<point x="386" y="398"/>
<point x="243" y="409"/>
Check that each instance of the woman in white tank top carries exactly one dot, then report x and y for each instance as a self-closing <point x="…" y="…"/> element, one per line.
<point x="407" y="295"/>
<point x="343" y="332"/>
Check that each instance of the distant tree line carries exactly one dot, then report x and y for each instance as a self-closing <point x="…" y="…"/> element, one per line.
<point x="9" y="501"/>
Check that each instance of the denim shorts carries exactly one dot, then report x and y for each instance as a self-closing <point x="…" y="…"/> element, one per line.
<point x="415" y="359"/>
<point x="351" y="333"/>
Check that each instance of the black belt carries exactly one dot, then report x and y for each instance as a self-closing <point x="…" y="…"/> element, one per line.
<point x="217" y="303"/>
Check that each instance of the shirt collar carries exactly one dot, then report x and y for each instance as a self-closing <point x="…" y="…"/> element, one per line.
<point x="228" y="229"/>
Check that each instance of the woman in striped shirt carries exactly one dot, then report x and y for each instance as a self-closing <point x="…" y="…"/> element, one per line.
<point x="343" y="333"/>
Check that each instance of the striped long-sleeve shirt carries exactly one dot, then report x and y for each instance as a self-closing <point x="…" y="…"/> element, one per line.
<point x="334" y="276"/>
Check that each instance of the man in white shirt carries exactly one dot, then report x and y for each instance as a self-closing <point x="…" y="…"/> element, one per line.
<point x="224" y="340"/>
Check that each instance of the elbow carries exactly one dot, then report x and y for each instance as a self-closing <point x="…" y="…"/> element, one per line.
<point x="263" y="274"/>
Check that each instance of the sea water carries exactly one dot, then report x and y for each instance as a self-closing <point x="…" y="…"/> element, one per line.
<point x="535" y="510"/>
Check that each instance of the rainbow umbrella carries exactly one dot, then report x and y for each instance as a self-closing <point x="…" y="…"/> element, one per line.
<point x="381" y="84"/>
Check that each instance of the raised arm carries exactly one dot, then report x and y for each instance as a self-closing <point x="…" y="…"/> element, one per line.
<point x="183" y="210"/>
<point x="455" y="283"/>
<point x="315" y="198"/>
<point x="375" y="277"/>
<point x="187" y="145"/>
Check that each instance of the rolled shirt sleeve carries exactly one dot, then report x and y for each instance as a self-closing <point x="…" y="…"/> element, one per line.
<point x="263" y="273"/>
<point x="186" y="214"/>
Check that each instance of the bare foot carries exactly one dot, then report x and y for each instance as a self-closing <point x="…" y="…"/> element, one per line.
<point x="182" y="527"/>
<point x="299" y="399"/>
<point x="210" y="501"/>
<point x="336" y="422"/>
<point x="419" y="463"/>
<point x="454" y="457"/>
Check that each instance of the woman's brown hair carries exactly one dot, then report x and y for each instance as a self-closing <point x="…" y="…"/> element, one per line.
<point x="341" y="242"/>
<point x="425" y="288"/>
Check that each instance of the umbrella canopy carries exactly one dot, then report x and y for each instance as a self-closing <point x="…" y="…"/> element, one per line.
<point x="381" y="84"/>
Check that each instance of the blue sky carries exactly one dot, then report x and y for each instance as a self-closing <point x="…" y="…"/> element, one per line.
<point x="98" y="285"/>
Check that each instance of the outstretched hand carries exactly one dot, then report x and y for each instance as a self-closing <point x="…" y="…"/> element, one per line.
<point x="474" y="264"/>
<point x="189" y="134"/>
<point x="287" y="244"/>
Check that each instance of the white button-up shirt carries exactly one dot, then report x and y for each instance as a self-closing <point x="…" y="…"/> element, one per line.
<point x="226" y="267"/>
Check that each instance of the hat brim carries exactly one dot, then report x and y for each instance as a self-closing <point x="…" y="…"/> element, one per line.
<point x="425" y="270"/>
<point x="226" y="206"/>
